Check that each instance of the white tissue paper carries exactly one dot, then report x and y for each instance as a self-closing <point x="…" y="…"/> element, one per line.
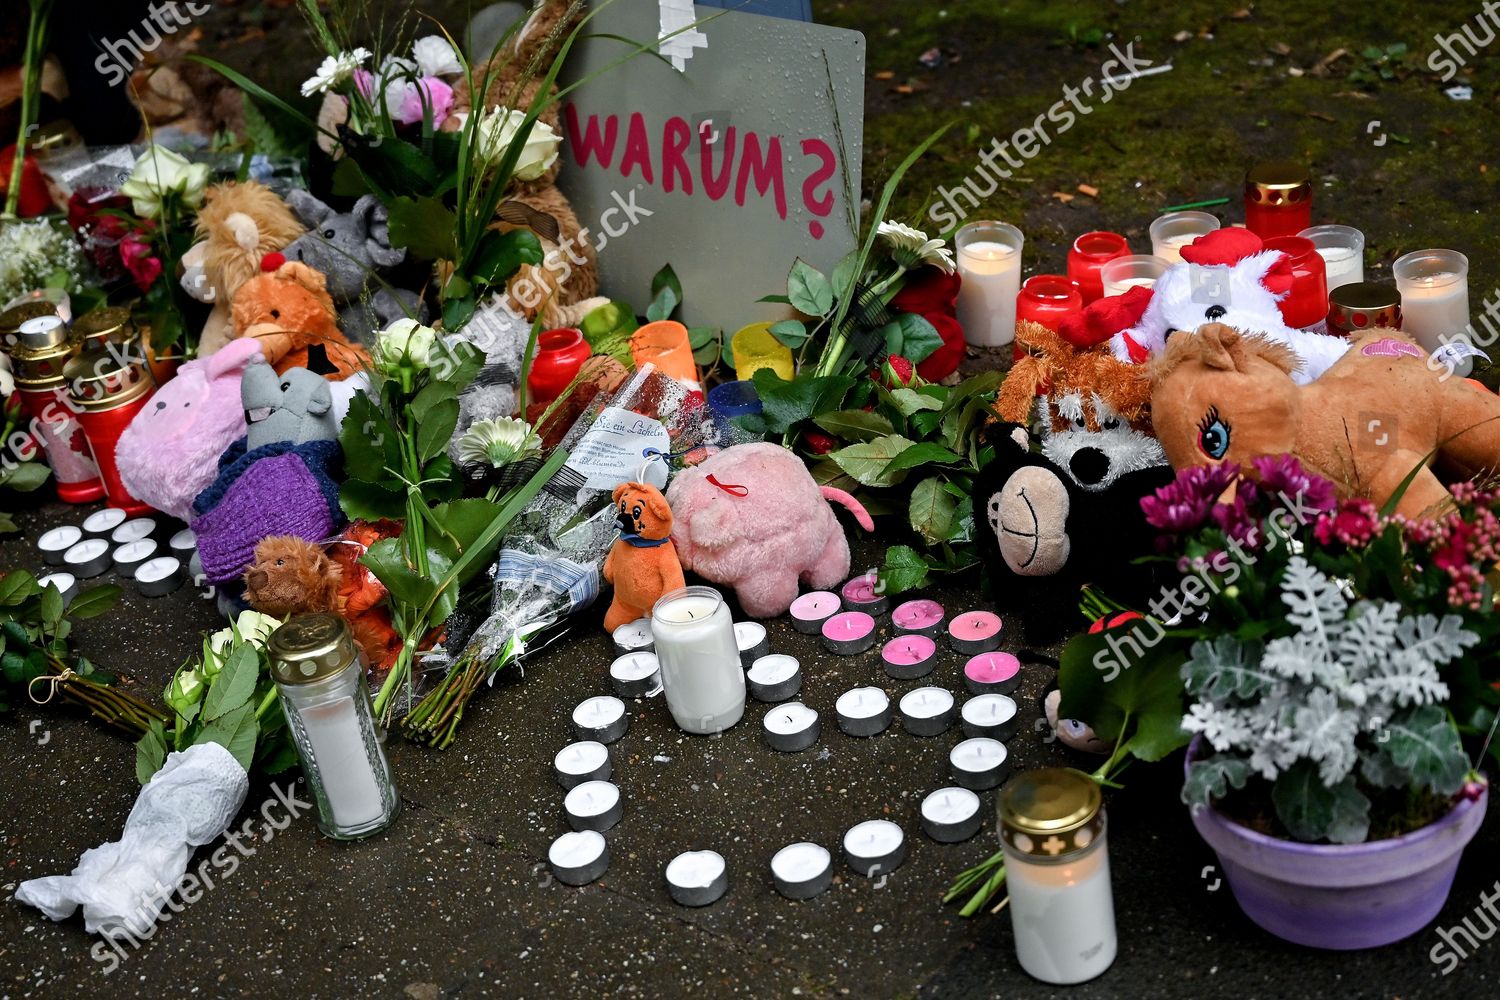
<point x="185" y="805"/>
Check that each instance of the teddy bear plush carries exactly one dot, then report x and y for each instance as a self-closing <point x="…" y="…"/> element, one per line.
<point x="287" y="310"/>
<point x="1382" y="410"/>
<point x="642" y="565"/>
<point x="171" y="449"/>
<point x="237" y="226"/>
<point x="353" y="252"/>
<point x="753" y="517"/>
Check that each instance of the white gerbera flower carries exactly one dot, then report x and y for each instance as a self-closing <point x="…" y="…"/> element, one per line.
<point x="497" y="442"/>
<point x="334" y="70"/>
<point x="435" y="55"/>
<point x="911" y="248"/>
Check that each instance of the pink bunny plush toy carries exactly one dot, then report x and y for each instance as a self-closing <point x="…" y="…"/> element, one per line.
<point x="170" y="452"/>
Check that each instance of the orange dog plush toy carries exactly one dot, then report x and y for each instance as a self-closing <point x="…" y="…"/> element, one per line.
<point x="642" y="564"/>
<point x="287" y="309"/>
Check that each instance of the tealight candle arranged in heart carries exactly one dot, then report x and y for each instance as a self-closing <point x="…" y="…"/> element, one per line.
<point x="579" y="857"/>
<point x="863" y="711"/>
<point x="875" y="847"/>
<point x="133" y="530"/>
<point x="849" y="632"/>
<point x="66" y="584"/>
<point x="88" y="558"/>
<point x="791" y="728"/>
<point x="992" y="715"/>
<point x="974" y="632"/>
<point x="128" y="557"/>
<point x="927" y="711"/>
<point x="753" y="642"/>
<point x="183" y="544"/>
<point x="810" y="611"/>
<point x="54" y="543"/>
<point x="908" y="657"/>
<point x="774" y="678"/>
<point x="697" y="878"/>
<point x="102" y="523"/>
<point x="951" y="815"/>
<point x="921" y="617"/>
<point x="583" y="761"/>
<point x="863" y="593"/>
<point x="633" y="636"/>
<point x="635" y="675"/>
<point x="593" y="805"/>
<point x="160" y="576"/>
<point x="802" y="871"/>
<point x="979" y="763"/>
<point x="602" y="718"/>
<point x="993" y="673"/>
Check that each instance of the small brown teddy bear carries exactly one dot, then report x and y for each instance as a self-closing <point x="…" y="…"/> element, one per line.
<point x="643" y="563"/>
<point x="287" y="308"/>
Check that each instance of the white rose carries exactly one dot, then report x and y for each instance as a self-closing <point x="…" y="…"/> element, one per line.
<point x="404" y="341"/>
<point x="497" y="130"/>
<point x="435" y="55"/>
<point x="160" y="172"/>
<point x="255" y="627"/>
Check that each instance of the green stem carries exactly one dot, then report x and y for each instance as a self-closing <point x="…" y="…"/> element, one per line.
<point x="399" y="671"/>
<point x="31" y="76"/>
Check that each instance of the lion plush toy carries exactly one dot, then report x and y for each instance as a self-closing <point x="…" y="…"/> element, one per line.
<point x="1380" y="411"/>
<point x="287" y="308"/>
<point x="642" y="564"/>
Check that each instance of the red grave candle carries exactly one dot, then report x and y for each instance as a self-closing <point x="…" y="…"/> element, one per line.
<point x="559" y="356"/>
<point x="1307" y="303"/>
<point x="1087" y="258"/>
<point x="1047" y="299"/>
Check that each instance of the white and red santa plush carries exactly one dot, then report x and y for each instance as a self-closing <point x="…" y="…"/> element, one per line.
<point x="1226" y="276"/>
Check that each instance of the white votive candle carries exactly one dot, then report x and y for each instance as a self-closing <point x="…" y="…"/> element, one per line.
<point x="635" y="675"/>
<point x="54" y="543"/>
<point x="989" y="262"/>
<point x="66" y="584"/>
<point x="875" y="847"/>
<point x="697" y="878"/>
<point x="133" y="530"/>
<point x="979" y="763"/>
<point x="586" y="760"/>
<point x="593" y="805"/>
<point x="863" y="711"/>
<point x="349" y="782"/>
<point x="1434" y="287"/>
<point x="88" y="558"/>
<point x="774" y="678"/>
<point x="1343" y="251"/>
<point x="602" y="718"/>
<point x="633" y="636"/>
<point x="579" y="857"/>
<point x="992" y="715"/>
<point x="700" y="660"/>
<point x="160" y="576"/>
<point x="128" y="557"/>
<point x="802" y="871"/>
<point x="1134" y="271"/>
<point x="951" y="815"/>
<point x="791" y="728"/>
<point x="1175" y="230"/>
<point x="752" y="641"/>
<point x="101" y="523"/>
<point x="927" y="711"/>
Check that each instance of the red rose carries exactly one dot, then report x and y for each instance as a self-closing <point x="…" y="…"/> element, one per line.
<point x="819" y="443"/>
<point x="897" y="371"/>
<point x="932" y="293"/>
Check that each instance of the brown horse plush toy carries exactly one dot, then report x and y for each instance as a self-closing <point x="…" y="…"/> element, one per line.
<point x="643" y="564"/>
<point x="1379" y="412"/>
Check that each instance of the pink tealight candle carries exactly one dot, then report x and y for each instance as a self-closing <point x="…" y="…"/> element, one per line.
<point x="849" y="632"/>
<point x="908" y="657"/>
<point x="974" y="632"/>
<point x="993" y="673"/>
<point x="921" y="617"/>
<point x="810" y="611"/>
<point x="865" y="593"/>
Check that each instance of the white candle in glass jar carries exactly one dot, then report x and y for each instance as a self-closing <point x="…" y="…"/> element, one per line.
<point x="1343" y="251"/>
<point x="1434" y="287"/>
<point x="349" y="781"/>
<point x="700" y="660"/>
<point x="989" y="261"/>
<point x="1175" y="230"/>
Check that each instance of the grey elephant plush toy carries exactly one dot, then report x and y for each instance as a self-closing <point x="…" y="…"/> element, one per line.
<point x="295" y="406"/>
<point x="352" y="250"/>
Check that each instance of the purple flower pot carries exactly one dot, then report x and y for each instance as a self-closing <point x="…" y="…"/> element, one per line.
<point x="1341" y="896"/>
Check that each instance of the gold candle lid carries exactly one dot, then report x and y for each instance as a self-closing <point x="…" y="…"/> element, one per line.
<point x="1050" y="813"/>
<point x="105" y="323"/>
<point x="1278" y="182"/>
<point x="1363" y="305"/>
<point x="103" y="380"/>
<point x="309" y="648"/>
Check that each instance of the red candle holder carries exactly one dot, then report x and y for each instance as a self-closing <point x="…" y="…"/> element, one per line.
<point x="1086" y="260"/>
<point x="1307" y="303"/>
<point x="108" y="388"/>
<point x="559" y="356"/>
<point x="1278" y="199"/>
<point x="1047" y="299"/>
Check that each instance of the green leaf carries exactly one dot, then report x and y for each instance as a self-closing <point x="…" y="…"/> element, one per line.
<point x="1224" y="667"/>
<point x="1122" y="676"/>
<point x="808" y="289"/>
<point x="436" y="428"/>
<point x="790" y="332"/>
<point x="843" y="273"/>
<point x="51" y="609"/>
<point x="854" y="425"/>
<point x="1424" y="744"/>
<point x="919" y="338"/>
<point x="780" y="299"/>
<point x="904" y="569"/>
<point x="922" y="453"/>
<point x="150" y="752"/>
<point x="362" y="501"/>
<point x="387" y="560"/>
<point x="501" y="255"/>
<point x="458" y="309"/>
<point x="1312" y="811"/>
<point x="369" y="443"/>
<point x="932" y="510"/>
<point x="909" y="401"/>
<point x="26" y="477"/>
<point x="1210" y="780"/>
<point x="94" y="601"/>
<point x="465" y="520"/>
<point x="870" y="461"/>
<point x="431" y="394"/>
<point x="424" y="226"/>
<point x="662" y="305"/>
<point x="7" y="524"/>
<point x="666" y="278"/>
<point x="785" y="404"/>
<point x="235" y="732"/>
<point x="17" y="586"/>
<point x="455" y="363"/>
<point x="235" y="683"/>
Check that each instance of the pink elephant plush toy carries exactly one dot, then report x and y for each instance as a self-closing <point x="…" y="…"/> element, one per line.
<point x="752" y="517"/>
<point x="170" y="452"/>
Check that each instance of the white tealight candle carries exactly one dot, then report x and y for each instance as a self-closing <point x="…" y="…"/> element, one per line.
<point x="927" y="711"/>
<point x="979" y="763"/>
<point x="700" y="660"/>
<point x="183" y="544"/>
<point x="66" y="584"/>
<point x="88" y="558"/>
<point x="775" y="678"/>
<point x="992" y="715"/>
<point x="951" y="815"/>
<point x="583" y="761"/>
<point x="579" y="857"/>
<point x="635" y="675"/>
<point x="802" y="871"/>
<point x="133" y="530"/>
<point x="593" y="805"/>
<point x="752" y="640"/>
<point x="863" y="711"/>
<point x="791" y="728"/>
<point x="601" y="718"/>
<point x="697" y="878"/>
<point x="160" y="576"/>
<point x="101" y="523"/>
<point x="54" y="543"/>
<point x="875" y="847"/>
<point x="128" y="557"/>
<point x="633" y="636"/>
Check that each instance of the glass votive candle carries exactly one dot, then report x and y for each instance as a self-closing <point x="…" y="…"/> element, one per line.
<point x="1087" y="258"/>
<point x="665" y="344"/>
<point x="700" y="659"/>
<point x="1048" y="299"/>
<point x="559" y="355"/>
<point x="1139" y="270"/>
<point x="989" y="262"/>
<point x="1306" y="305"/>
<point x="1361" y="306"/>
<point x="1343" y="251"/>
<point x="1434" y="288"/>
<point x="1175" y="230"/>
<point x="754" y="347"/>
<point x="1278" y="199"/>
<point x="728" y="400"/>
